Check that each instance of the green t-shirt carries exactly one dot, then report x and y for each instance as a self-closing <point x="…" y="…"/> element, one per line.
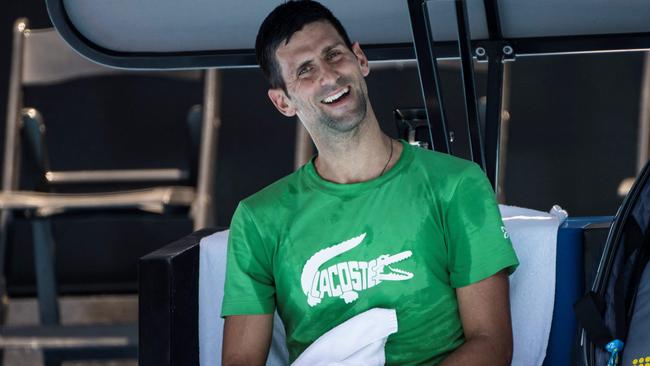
<point x="322" y="252"/>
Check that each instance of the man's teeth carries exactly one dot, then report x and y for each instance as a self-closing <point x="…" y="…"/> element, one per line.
<point x="336" y="96"/>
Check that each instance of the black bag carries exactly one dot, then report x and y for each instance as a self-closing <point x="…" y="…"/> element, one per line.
<point x="615" y="315"/>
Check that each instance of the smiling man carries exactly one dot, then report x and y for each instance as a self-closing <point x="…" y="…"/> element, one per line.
<point x="370" y="222"/>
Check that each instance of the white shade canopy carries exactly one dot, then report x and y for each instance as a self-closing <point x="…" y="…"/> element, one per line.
<point x="157" y="28"/>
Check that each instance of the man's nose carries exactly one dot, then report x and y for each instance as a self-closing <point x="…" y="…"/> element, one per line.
<point x="329" y="75"/>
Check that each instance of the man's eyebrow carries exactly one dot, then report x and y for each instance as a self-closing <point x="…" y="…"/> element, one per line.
<point x="303" y="64"/>
<point x="330" y="47"/>
<point x="323" y="52"/>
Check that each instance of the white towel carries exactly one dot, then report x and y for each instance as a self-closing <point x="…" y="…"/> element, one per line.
<point x="532" y="286"/>
<point x="358" y="341"/>
<point x="212" y="264"/>
<point x="212" y="271"/>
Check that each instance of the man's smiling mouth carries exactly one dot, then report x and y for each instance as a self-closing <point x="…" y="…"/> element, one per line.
<point x="336" y="97"/>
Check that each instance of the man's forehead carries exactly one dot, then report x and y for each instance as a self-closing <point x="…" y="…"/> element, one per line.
<point x="313" y="38"/>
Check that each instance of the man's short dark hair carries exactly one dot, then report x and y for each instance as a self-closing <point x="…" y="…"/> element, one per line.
<point x="280" y="25"/>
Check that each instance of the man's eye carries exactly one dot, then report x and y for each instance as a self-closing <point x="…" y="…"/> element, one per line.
<point x="304" y="71"/>
<point x="333" y="54"/>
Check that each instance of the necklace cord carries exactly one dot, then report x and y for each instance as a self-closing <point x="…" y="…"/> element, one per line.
<point x="389" y="158"/>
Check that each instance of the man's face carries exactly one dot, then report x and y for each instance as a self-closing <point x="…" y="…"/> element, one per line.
<point x="324" y="79"/>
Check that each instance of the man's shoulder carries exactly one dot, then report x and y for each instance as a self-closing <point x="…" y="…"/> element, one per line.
<point x="440" y="164"/>
<point x="276" y="193"/>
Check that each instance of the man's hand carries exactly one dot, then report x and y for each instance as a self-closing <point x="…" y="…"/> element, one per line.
<point x="484" y="309"/>
<point x="246" y="339"/>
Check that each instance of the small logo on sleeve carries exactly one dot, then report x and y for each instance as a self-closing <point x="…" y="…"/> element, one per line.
<point x="505" y="232"/>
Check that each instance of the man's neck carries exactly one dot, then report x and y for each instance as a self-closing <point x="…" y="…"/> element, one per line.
<point x="358" y="156"/>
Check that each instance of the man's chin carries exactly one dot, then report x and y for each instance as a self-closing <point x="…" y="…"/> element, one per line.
<point x="347" y="121"/>
<point x="343" y="125"/>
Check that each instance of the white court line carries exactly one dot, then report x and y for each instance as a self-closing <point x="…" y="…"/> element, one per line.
<point x="529" y="218"/>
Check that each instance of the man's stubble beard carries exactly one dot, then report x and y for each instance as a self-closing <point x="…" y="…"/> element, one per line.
<point x="343" y="124"/>
<point x="350" y="120"/>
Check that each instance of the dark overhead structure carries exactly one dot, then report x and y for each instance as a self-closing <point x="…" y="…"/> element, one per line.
<point x="153" y="34"/>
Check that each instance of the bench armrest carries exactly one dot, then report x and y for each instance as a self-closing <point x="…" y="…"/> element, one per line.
<point x="168" y="303"/>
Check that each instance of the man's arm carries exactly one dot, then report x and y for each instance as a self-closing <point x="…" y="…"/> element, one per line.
<point x="246" y="339"/>
<point x="484" y="309"/>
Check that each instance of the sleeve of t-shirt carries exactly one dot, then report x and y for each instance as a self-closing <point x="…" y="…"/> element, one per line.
<point x="249" y="287"/>
<point x="478" y="244"/>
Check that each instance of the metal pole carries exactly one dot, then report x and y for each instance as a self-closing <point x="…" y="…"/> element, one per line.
<point x="9" y="176"/>
<point x="14" y="106"/>
<point x="504" y="133"/>
<point x="494" y="96"/>
<point x="304" y="147"/>
<point x="644" y="117"/>
<point x="493" y="112"/>
<point x="493" y="19"/>
<point x="429" y="78"/>
<point x="44" y="262"/>
<point x="203" y="207"/>
<point x="469" y="85"/>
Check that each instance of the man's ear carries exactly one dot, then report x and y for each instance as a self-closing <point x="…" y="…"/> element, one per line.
<point x="361" y="57"/>
<point x="281" y="101"/>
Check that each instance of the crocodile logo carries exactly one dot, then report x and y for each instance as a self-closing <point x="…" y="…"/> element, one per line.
<point x="346" y="279"/>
